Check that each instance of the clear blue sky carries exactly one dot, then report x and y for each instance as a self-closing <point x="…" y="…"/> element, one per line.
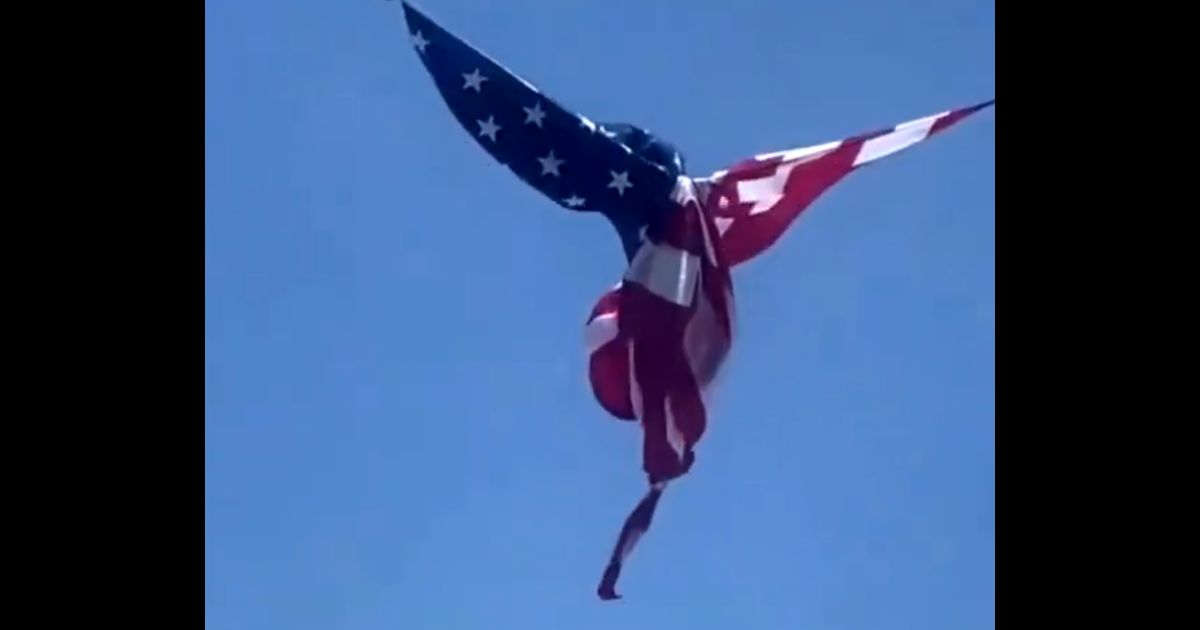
<point x="399" y="431"/>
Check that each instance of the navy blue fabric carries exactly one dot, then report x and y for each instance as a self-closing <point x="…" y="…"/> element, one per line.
<point x="592" y="155"/>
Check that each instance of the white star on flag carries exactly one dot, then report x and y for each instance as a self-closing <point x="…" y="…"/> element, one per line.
<point x="534" y="114"/>
<point x="474" y="80"/>
<point x="419" y="41"/>
<point x="488" y="128"/>
<point x="620" y="181"/>
<point x="550" y="164"/>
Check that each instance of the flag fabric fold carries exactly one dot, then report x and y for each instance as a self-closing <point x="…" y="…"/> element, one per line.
<point x="657" y="342"/>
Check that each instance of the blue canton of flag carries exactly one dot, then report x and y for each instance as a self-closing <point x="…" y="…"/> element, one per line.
<point x="579" y="164"/>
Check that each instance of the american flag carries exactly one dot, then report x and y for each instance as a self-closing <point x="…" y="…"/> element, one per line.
<point x="658" y="339"/>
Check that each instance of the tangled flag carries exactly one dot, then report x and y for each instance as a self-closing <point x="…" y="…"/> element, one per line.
<point x="659" y="337"/>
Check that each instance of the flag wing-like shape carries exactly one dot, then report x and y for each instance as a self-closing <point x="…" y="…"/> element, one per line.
<point x="564" y="155"/>
<point x="659" y="338"/>
<point x="756" y="200"/>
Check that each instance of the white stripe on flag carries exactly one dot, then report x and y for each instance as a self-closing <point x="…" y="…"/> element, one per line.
<point x="802" y="152"/>
<point x="665" y="271"/>
<point x="900" y="138"/>
<point x="674" y="435"/>
<point x="635" y="389"/>
<point x="600" y="331"/>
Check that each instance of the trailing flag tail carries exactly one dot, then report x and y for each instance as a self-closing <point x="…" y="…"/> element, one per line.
<point x="635" y="526"/>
